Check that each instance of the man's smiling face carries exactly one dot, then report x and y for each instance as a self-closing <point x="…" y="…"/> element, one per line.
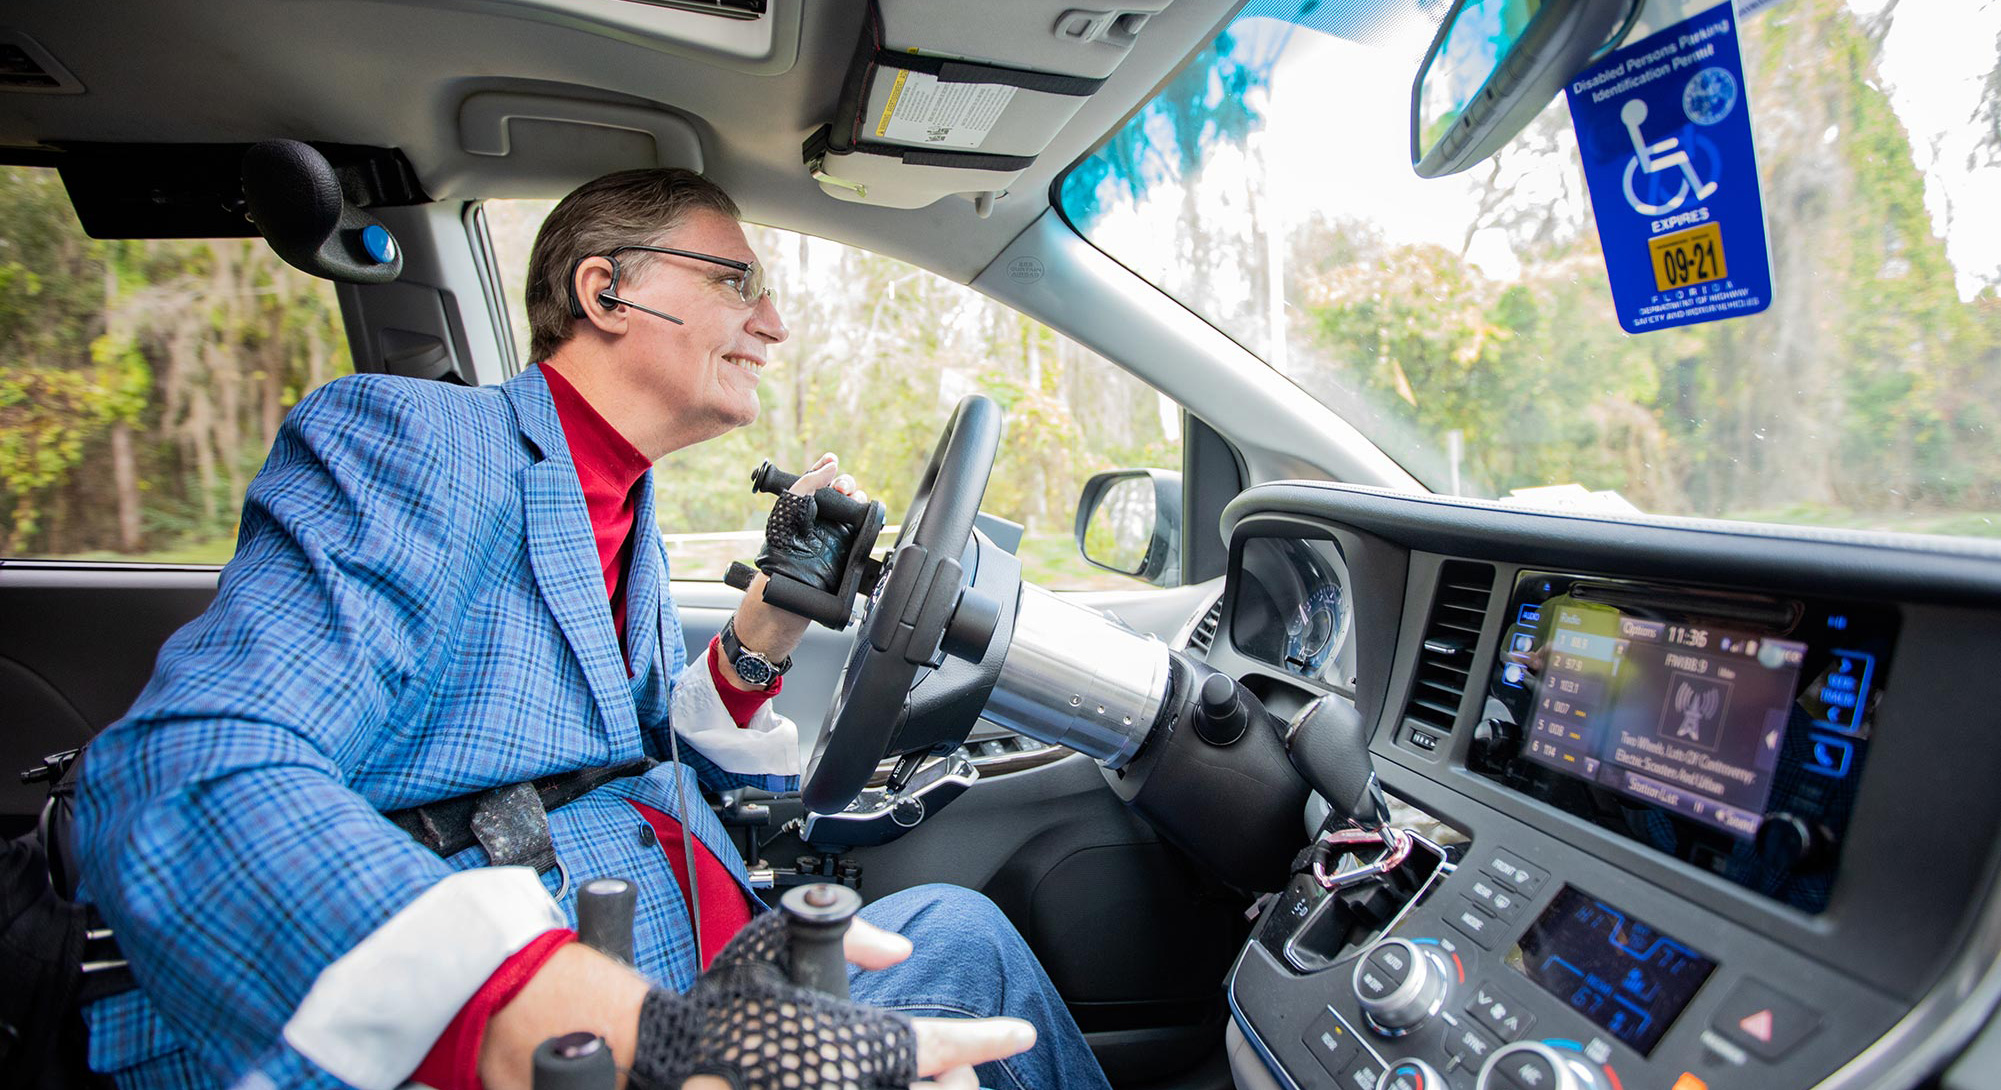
<point x="705" y="371"/>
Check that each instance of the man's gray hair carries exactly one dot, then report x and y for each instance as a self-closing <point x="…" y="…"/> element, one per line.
<point x="621" y="209"/>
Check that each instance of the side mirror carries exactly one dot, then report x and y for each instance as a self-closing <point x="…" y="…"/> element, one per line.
<point x="1129" y="521"/>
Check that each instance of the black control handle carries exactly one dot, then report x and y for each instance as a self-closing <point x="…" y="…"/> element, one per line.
<point x="817" y="918"/>
<point x="858" y="572"/>
<point x="582" y="1060"/>
<point x="574" y="1061"/>
<point x="604" y="916"/>
<point x="1328" y="743"/>
<point x="835" y="506"/>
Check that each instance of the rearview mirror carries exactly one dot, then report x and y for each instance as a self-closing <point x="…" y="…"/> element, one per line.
<point x="1129" y="521"/>
<point x="1494" y="65"/>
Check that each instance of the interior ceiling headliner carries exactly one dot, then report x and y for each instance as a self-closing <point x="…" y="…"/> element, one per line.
<point x="395" y="74"/>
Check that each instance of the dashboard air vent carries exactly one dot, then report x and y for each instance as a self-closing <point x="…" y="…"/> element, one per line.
<point x="26" y="66"/>
<point x="1445" y="659"/>
<point x="1204" y="634"/>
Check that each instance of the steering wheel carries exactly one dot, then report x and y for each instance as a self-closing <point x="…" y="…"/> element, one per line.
<point x="937" y="625"/>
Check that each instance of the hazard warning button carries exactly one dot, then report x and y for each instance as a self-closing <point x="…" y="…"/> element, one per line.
<point x="1767" y="1023"/>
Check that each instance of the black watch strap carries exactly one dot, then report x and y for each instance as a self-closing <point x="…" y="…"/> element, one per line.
<point x="733" y="649"/>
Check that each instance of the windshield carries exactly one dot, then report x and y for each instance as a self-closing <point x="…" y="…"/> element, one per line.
<point x="1465" y="323"/>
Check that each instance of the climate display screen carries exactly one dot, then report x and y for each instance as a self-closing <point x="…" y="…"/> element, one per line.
<point x="1686" y="716"/>
<point x="1628" y="978"/>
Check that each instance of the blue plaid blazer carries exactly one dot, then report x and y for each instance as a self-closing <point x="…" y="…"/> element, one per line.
<point x="415" y="611"/>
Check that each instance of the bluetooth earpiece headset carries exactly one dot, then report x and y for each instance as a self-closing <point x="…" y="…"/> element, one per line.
<point x="609" y="298"/>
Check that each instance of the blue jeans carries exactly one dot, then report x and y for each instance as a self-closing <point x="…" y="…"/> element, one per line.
<point x="969" y="962"/>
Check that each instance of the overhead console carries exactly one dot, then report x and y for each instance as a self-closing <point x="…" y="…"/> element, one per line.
<point x="1725" y="793"/>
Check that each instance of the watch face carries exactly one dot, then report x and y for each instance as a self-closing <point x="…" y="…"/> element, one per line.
<point x="753" y="669"/>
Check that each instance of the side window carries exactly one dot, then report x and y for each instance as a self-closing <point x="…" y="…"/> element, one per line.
<point x="143" y="381"/>
<point x="879" y="353"/>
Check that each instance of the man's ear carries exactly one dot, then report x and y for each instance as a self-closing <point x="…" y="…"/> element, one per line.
<point x="592" y="278"/>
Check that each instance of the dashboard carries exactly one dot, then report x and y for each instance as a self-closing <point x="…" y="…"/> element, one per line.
<point x="1723" y="798"/>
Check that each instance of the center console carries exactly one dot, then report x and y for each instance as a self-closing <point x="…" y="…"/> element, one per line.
<point x="1724" y="729"/>
<point x="1513" y="971"/>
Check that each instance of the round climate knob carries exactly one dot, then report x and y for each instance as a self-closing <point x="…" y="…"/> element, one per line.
<point x="1411" y="1075"/>
<point x="1532" y="1065"/>
<point x="1399" y="986"/>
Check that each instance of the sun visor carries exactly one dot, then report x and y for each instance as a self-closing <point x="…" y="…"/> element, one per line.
<point x="962" y="97"/>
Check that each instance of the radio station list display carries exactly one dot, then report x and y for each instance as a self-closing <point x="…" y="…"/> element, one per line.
<point x="1687" y="716"/>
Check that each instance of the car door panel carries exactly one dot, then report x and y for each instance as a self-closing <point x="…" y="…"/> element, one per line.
<point x="79" y="646"/>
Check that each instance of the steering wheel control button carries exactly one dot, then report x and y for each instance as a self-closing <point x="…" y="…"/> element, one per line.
<point x="1523" y="878"/>
<point x="1494" y="1010"/>
<point x="1474" y="922"/>
<point x="1411" y="1075"/>
<point x="1398" y="987"/>
<point x="1504" y="903"/>
<point x="1332" y="1043"/>
<point x="1766" y="1023"/>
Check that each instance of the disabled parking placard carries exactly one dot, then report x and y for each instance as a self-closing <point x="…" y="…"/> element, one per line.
<point x="1665" y="135"/>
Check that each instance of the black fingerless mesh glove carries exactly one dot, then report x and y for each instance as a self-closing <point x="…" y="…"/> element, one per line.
<point x="797" y="544"/>
<point x="746" y="1021"/>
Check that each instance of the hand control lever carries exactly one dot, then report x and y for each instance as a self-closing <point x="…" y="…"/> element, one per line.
<point x="582" y="1060"/>
<point x="816" y="920"/>
<point x="858" y="571"/>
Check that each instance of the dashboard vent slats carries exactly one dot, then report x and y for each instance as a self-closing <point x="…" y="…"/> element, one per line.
<point x="1445" y="657"/>
<point x="1204" y="635"/>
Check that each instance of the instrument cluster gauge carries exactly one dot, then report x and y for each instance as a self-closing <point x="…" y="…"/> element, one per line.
<point x="1292" y="609"/>
<point x="1315" y="630"/>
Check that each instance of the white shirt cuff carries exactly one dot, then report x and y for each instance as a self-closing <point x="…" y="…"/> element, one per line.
<point x="766" y="746"/>
<point x="371" y="1017"/>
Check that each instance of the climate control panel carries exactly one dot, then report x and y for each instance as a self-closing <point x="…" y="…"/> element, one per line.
<point x="1506" y="975"/>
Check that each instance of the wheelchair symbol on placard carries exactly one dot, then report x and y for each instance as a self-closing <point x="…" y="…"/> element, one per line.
<point x="1659" y="158"/>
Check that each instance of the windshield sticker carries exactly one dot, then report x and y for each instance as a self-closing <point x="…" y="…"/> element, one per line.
<point x="1665" y="135"/>
<point x="921" y="110"/>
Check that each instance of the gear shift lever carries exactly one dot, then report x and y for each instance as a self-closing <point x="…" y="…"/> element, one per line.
<point x="1329" y="745"/>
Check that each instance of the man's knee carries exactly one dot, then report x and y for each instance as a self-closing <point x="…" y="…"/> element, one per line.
<point x="939" y="906"/>
<point x="952" y="924"/>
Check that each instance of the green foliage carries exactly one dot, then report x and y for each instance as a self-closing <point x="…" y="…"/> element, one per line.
<point x="47" y="416"/>
<point x="1869" y="387"/>
<point x="144" y="380"/>
<point x="879" y="354"/>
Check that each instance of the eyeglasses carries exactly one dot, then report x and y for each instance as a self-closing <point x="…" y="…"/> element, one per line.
<point x="749" y="283"/>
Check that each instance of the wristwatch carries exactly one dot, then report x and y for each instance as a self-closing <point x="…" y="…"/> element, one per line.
<point x="752" y="667"/>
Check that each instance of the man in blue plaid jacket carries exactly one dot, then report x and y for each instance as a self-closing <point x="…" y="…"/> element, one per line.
<point x="431" y="596"/>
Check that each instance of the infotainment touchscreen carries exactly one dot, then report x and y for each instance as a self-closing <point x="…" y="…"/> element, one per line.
<point x="1686" y="716"/>
<point x="1726" y="728"/>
